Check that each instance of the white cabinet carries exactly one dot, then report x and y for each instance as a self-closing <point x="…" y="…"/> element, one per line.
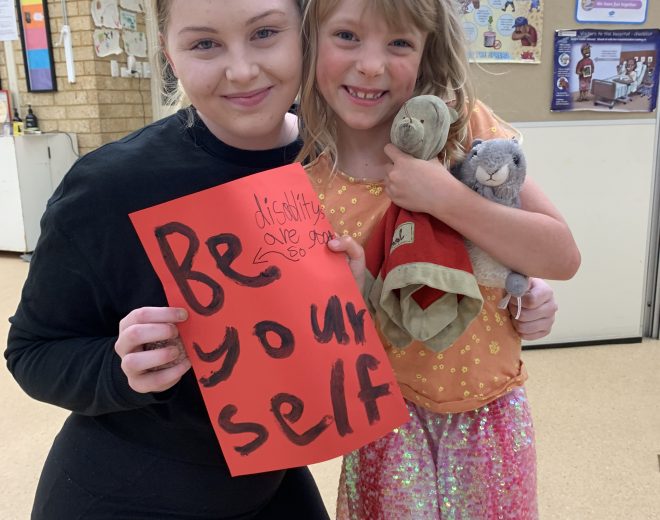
<point x="600" y="175"/>
<point x="31" y="167"/>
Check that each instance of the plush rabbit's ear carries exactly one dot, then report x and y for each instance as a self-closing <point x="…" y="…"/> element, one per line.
<point x="453" y="115"/>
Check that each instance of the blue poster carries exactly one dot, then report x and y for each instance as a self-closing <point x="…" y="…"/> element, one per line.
<point x="606" y="70"/>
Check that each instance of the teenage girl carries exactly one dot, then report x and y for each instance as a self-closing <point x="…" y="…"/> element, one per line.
<point x="138" y="443"/>
<point x="468" y="450"/>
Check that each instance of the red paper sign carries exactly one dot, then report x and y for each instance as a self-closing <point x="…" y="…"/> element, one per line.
<point x="288" y="361"/>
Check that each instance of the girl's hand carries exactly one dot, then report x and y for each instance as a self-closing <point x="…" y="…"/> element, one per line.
<point x="355" y="257"/>
<point x="538" y="310"/>
<point x="414" y="184"/>
<point x="151" y="352"/>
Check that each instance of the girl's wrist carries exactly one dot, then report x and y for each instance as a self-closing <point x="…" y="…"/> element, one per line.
<point x="451" y="200"/>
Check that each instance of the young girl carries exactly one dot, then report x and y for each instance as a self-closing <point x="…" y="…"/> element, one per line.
<point x="468" y="450"/>
<point x="139" y="443"/>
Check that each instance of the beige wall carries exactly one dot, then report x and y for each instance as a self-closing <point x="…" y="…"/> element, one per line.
<point x="97" y="107"/>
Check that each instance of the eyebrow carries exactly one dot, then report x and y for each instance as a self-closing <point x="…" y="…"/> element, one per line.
<point x="344" y="20"/>
<point x="196" y="28"/>
<point x="264" y="15"/>
<point x="349" y="22"/>
<point x="202" y="28"/>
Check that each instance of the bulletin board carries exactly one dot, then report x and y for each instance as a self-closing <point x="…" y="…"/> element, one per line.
<point x="523" y="92"/>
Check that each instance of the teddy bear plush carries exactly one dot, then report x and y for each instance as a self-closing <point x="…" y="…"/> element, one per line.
<point x="421" y="127"/>
<point x="495" y="169"/>
<point x="420" y="284"/>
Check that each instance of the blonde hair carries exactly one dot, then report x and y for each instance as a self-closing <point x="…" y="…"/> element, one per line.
<point x="175" y="97"/>
<point x="443" y="69"/>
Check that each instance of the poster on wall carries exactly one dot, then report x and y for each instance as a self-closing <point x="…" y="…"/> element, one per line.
<point x="611" y="11"/>
<point x="8" y="27"/>
<point x="503" y="30"/>
<point x="606" y="70"/>
<point x="36" y="44"/>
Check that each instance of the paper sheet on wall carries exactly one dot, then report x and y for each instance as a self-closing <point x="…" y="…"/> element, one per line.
<point x="133" y="5"/>
<point x="128" y="20"/>
<point x="8" y="25"/>
<point x="106" y="42"/>
<point x="503" y="30"/>
<point x="105" y="13"/>
<point x="135" y="43"/>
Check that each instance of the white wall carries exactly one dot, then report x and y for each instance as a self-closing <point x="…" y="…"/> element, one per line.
<point x="600" y="176"/>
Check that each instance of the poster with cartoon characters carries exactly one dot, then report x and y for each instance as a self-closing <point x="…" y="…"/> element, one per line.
<point x="606" y="70"/>
<point x="503" y="30"/>
<point x="611" y="11"/>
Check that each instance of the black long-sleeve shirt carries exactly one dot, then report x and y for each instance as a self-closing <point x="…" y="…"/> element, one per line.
<point x="89" y="270"/>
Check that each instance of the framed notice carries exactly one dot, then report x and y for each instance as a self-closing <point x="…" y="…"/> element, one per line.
<point x="36" y="44"/>
<point x="8" y="27"/>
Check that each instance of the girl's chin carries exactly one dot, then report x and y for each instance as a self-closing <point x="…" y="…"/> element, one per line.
<point x="364" y="124"/>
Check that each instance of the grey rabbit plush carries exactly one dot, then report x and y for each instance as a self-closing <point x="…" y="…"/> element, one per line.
<point x="495" y="169"/>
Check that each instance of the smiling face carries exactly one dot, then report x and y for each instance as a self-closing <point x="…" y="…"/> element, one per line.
<point x="239" y="62"/>
<point x="366" y="69"/>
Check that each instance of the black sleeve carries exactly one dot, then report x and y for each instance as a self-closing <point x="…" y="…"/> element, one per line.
<point x="61" y="342"/>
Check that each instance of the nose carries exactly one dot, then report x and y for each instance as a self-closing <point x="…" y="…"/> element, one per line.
<point x="371" y="62"/>
<point x="241" y="68"/>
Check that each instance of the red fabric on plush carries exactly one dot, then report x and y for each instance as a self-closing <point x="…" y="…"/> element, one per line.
<point x="409" y="249"/>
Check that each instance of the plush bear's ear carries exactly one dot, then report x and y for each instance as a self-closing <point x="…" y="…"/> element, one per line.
<point x="476" y="142"/>
<point x="515" y="140"/>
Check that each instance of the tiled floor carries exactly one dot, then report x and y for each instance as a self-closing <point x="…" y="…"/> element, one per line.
<point x="596" y="409"/>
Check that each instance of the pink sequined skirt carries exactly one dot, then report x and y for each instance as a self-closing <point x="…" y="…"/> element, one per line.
<point x="477" y="465"/>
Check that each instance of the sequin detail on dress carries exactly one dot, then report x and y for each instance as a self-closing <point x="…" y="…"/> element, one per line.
<point x="478" y="465"/>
